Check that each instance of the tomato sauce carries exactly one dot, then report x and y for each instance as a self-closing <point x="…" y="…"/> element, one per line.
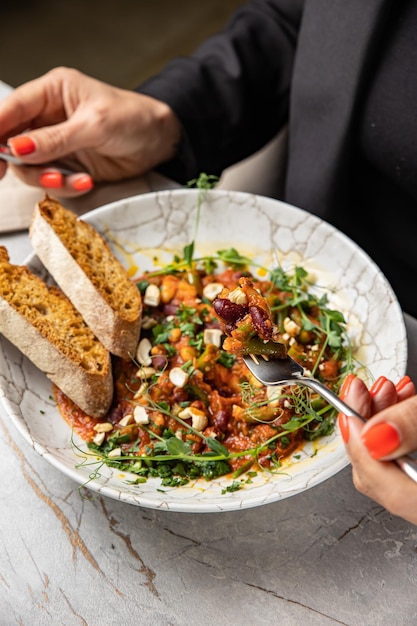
<point x="189" y="389"/>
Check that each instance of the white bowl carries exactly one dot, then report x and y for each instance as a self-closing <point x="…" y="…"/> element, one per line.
<point x="149" y="228"/>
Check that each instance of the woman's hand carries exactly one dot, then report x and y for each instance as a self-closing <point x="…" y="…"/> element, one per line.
<point x="390" y="433"/>
<point x="101" y="132"/>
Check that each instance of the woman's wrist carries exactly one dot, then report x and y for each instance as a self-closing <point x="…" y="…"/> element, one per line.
<point x="166" y="132"/>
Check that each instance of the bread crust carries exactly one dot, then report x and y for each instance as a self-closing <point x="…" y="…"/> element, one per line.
<point x="29" y="313"/>
<point x="63" y="244"/>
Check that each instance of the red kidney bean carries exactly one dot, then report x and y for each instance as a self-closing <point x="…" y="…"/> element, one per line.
<point x="170" y="309"/>
<point x="229" y="311"/>
<point x="179" y="395"/>
<point x="229" y="328"/>
<point x="159" y="361"/>
<point x="221" y="420"/>
<point x="116" y="415"/>
<point x="261" y="322"/>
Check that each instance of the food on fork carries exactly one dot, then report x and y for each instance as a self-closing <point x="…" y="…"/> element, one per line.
<point x="246" y="319"/>
<point x="85" y="268"/>
<point x="44" y="325"/>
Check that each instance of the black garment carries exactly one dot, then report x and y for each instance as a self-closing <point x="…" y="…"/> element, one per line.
<point x="383" y="194"/>
<point x="232" y="95"/>
<point x="312" y="64"/>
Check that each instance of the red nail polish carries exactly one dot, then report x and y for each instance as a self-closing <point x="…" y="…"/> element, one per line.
<point x="403" y="382"/>
<point x="83" y="183"/>
<point x="377" y="386"/>
<point x="346" y="386"/>
<point x="343" y="422"/>
<point x="22" y="145"/>
<point x="52" y="180"/>
<point x="381" y="440"/>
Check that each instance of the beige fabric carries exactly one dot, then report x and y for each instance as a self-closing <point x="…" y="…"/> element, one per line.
<point x="17" y="200"/>
<point x="263" y="173"/>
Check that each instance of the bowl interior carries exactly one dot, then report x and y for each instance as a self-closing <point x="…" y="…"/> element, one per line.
<point x="145" y="231"/>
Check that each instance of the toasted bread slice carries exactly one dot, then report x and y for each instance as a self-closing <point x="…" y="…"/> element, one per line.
<point x="85" y="268"/>
<point x="43" y="324"/>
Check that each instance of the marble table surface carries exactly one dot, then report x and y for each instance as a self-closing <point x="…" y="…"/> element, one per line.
<point x="71" y="557"/>
<point x="328" y="556"/>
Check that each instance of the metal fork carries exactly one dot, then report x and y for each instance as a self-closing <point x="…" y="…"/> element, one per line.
<point x="289" y="372"/>
<point x="6" y="155"/>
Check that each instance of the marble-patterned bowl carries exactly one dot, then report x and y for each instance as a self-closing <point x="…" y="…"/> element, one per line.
<point x="146" y="230"/>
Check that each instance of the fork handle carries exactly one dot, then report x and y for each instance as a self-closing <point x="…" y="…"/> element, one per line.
<point x="328" y="395"/>
<point x="406" y="463"/>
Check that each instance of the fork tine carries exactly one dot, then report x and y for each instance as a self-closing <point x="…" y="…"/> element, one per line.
<point x="272" y="371"/>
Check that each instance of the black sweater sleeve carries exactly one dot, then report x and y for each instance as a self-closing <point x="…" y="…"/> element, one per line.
<point x="232" y="95"/>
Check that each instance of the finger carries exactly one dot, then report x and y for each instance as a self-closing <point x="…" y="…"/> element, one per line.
<point x="383" y="394"/>
<point x="77" y="184"/>
<point x="355" y="393"/>
<point x="3" y="168"/>
<point x="405" y="388"/>
<point x="23" y="105"/>
<point x="50" y="111"/>
<point x="53" y="180"/>
<point x="393" y="431"/>
<point x="51" y="142"/>
<point x="384" y="482"/>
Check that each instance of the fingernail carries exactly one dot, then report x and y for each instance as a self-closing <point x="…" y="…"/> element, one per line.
<point x="82" y="183"/>
<point x="381" y="440"/>
<point x="346" y="386"/>
<point x="403" y="382"/>
<point x="343" y="422"/>
<point x="377" y="386"/>
<point x="53" y="180"/>
<point x="22" y="145"/>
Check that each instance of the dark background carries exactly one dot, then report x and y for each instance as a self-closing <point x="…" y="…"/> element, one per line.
<point x="119" y="41"/>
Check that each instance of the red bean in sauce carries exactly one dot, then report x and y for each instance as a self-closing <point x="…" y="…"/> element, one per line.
<point x="229" y="311"/>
